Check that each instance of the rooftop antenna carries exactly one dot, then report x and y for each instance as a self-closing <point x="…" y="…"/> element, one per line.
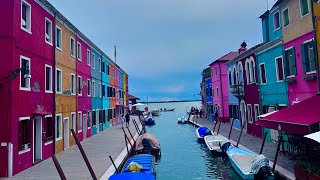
<point x="115" y="54"/>
<point x="267" y="1"/>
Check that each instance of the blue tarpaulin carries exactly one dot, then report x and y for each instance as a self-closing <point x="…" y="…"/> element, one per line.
<point x="202" y="131"/>
<point x="132" y="176"/>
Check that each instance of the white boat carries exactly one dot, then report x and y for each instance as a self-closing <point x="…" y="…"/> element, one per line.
<point x="155" y="112"/>
<point x="217" y="144"/>
<point x="182" y="120"/>
<point x="203" y="131"/>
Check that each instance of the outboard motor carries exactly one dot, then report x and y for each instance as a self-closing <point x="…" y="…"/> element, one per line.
<point x="260" y="167"/>
<point x="147" y="147"/>
<point x="207" y="132"/>
<point x="225" y="146"/>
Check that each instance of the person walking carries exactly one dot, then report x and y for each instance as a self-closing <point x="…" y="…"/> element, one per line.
<point x="122" y="120"/>
<point x="127" y="119"/>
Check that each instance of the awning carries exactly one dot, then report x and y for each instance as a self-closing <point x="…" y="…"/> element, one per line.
<point x="295" y="119"/>
<point x="267" y="114"/>
<point x="314" y="136"/>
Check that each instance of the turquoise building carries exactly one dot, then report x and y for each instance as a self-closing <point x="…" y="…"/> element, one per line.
<point x="273" y="91"/>
<point x="105" y="82"/>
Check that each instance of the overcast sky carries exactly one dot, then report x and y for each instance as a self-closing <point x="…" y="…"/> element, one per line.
<point x="164" y="45"/>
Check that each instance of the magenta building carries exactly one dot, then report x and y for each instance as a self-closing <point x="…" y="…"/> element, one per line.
<point x="26" y="85"/>
<point x="219" y="79"/>
<point x="84" y="101"/>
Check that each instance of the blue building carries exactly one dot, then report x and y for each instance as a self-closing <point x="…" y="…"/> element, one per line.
<point x="105" y="82"/>
<point x="207" y="93"/>
<point x="273" y="89"/>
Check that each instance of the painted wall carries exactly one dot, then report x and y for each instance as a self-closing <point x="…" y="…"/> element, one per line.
<point x="112" y="84"/>
<point x="66" y="103"/>
<point x="209" y="99"/>
<point x="106" y="82"/>
<point x="232" y="99"/>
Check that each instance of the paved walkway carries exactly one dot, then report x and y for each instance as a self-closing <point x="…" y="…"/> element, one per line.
<point x="98" y="148"/>
<point x="284" y="164"/>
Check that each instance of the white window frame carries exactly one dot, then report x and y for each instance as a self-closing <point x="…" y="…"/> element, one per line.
<point x="26" y="150"/>
<point x="89" y="88"/>
<point x="56" y="36"/>
<point x="73" y="48"/>
<point x="58" y="92"/>
<point x="28" y="80"/>
<point x="81" y="121"/>
<point x="93" y="88"/>
<point x="73" y="121"/>
<point x="274" y="23"/>
<point x="93" y="61"/>
<point x="265" y="71"/>
<point x="79" y="52"/>
<point x="57" y="139"/>
<point x="256" y="114"/>
<point x="30" y="17"/>
<point x="287" y="8"/>
<point x="45" y="79"/>
<point x="79" y="85"/>
<point x="248" y="71"/>
<point x="309" y="9"/>
<point x="100" y="90"/>
<point x="289" y="48"/>
<point x="249" y="114"/>
<point x="45" y="31"/>
<point x="277" y="70"/>
<point x="73" y="83"/>
<point x="99" y="62"/>
<point x="308" y="41"/>
<point x="88" y="57"/>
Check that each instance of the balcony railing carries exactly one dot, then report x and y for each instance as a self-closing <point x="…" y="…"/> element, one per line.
<point x="237" y="90"/>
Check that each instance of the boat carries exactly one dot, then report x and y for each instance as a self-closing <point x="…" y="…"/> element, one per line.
<point x="155" y="112"/>
<point x="166" y="110"/>
<point x="149" y="121"/>
<point x="248" y="164"/>
<point x="182" y="120"/>
<point x="217" y="144"/>
<point x="203" y="131"/>
<point x="132" y="176"/>
<point x="148" y="144"/>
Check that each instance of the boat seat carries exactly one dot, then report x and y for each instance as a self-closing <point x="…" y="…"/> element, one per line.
<point x="244" y="161"/>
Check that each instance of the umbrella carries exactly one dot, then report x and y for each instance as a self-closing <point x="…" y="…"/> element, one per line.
<point x="138" y="104"/>
<point x="314" y="136"/>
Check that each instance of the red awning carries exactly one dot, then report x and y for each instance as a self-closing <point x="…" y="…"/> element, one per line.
<point x="295" y="119"/>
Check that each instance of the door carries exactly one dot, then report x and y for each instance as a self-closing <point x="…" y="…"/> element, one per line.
<point x="97" y="120"/>
<point x="243" y="115"/>
<point x="66" y="133"/>
<point x="85" y="124"/>
<point x="37" y="141"/>
<point x="4" y="156"/>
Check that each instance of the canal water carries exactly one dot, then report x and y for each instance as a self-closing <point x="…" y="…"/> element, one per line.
<point x="183" y="157"/>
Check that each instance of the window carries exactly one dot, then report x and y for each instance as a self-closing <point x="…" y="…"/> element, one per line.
<point x="252" y="71"/>
<point x="250" y="120"/>
<point x="93" y="61"/>
<point x="93" y="118"/>
<point x="263" y="73"/>
<point x="108" y="91"/>
<point x="230" y="78"/>
<point x="48" y="78"/>
<point x="26" y="16"/>
<point x="88" y="57"/>
<point x="73" y="121"/>
<point x="48" y="124"/>
<point x="108" y="69"/>
<point x="24" y="134"/>
<point x="103" y="67"/>
<point x="234" y="76"/>
<point x="279" y="69"/>
<point x="304" y="7"/>
<point x="72" y="47"/>
<point x="73" y="84"/>
<point x="100" y="90"/>
<point x="89" y="119"/>
<point x="24" y="79"/>
<point x="89" y="87"/>
<point x="247" y="68"/>
<point x="58" y="81"/>
<point x="58" y="38"/>
<point x="79" y="85"/>
<point x="58" y="126"/>
<point x="216" y="71"/>
<point x="93" y="88"/>
<point x="233" y="111"/>
<point x="285" y="17"/>
<point x="217" y="92"/>
<point x="256" y="112"/>
<point x="48" y="30"/>
<point x="80" y="121"/>
<point x="308" y="56"/>
<point x="290" y="62"/>
<point x="276" y="20"/>
<point x="103" y="90"/>
<point x="99" y="63"/>
<point x="79" y="51"/>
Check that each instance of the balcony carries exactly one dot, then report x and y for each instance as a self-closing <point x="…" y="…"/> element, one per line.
<point x="237" y="90"/>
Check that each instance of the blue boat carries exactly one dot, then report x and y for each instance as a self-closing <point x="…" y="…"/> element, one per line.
<point x="248" y="164"/>
<point x="147" y="162"/>
<point x="149" y="121"/>
<point x="203" y="131"/>
<point x="132" y="176"/>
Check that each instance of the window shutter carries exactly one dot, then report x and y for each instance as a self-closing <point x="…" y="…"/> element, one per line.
<point x="286" y="63"/>
<point x="294" y="67"/>
<point x="305" y="58"/>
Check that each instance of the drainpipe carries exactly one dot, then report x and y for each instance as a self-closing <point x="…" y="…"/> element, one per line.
<point x="54" y="86"/>
<point x="316" y="46"/>
<point x="221" y="91"/>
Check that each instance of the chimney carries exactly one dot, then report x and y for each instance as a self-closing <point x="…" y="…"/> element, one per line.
<point x="243" y="48"/>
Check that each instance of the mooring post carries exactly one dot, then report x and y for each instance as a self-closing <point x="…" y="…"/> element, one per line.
<point x="131" y="135"/>
<point x="125" y="139"/>
<point x="276" y="157"/>
<point x="231" y="128"/>
<point x="240" y="134"/>
<point x="263" y="141"/>
<point x="214" y="128"/>
<point x="58" y="167"/>
<point x="114" y="164"/>
<point x="83" y="155"/>
<point x="142" y="124"/>
<point x="125" y="134"/>
<point x="219" y="127"/>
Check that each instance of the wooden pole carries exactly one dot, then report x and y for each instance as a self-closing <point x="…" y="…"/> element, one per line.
<point x="117" y="171"/>
<point x="58" y="167"/>
<point x="219" y="127"/>
<point x="83" y="155"/>
<point x="231" y="128"/>
<point x="263" y="141"/>
<point x="214" y="128"/>
<point x="131" y="135"/>
<point x="126" y="136"/>
<point x="240" y="135"/>
<point x="276" y="157"/>
<point x="125" y="139"/>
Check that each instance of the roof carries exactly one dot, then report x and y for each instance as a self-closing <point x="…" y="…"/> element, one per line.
<point x="295" y="119"/>
<point x="245" y="54"/>
<point x="264" y="14"/>
<point x="131" y="97"/>
<point x="269" y="45"/>
<point x="226" y="57"/>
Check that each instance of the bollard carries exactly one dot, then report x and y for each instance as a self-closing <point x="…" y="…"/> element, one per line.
<point x="231" y="128"/>
<point x="219" y="128"/>
<point x="83" y="155"/>
<point x="117" y="171"/>
<point x="263" y="141"/>
<point x="214" y="128"/>
<point x="240" y="134"/>
<point x="58" y="167"/>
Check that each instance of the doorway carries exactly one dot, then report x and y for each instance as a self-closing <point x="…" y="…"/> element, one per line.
<point x="37" y="139"/>
<point x="66" y="133"/>
<point x="243" y="115"/>
<point x="85" y="124"/>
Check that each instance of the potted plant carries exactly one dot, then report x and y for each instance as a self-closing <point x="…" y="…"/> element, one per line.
<point x="301" y="170"/>
<point x="314" y="173"/>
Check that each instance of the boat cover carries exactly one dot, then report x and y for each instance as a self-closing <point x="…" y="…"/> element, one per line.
<point x="203" y="131"/>
<point x="132" y="176"/>
<point x="154" y="141"/>
<point x="259" y="162"/>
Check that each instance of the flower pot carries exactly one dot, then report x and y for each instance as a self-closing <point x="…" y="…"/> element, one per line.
<point x="300" y="173"/>
<point x="313" y="176"/>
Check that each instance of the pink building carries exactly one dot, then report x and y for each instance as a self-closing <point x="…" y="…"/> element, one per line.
<point x="219" y="79"/>
<point x="27" y="97"/>
<point x="84" y="103"/>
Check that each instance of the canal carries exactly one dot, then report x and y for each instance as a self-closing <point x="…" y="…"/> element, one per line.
<point x="183" y="157"/>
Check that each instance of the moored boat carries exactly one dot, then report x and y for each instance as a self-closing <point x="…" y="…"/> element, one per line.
<point x="148" y="144"/>
<point x="182" y="120"/>
<point x="149" y="121"/>
<point x="217" y="144"/>
<point x="155" y="112"/>
<point x="166" y="110"/>
<point x="132" y="176"/>
<point x="203" y="131"/>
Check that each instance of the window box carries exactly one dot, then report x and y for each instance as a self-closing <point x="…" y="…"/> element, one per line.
<point x="291" y="80"/>
<point x="310" y="77"/>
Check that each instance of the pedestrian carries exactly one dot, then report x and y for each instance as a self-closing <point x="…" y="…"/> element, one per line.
<point x="197" y="112"/>
<point x="127" y="119"/>
<point x="122" y="120"/>
<point x="200" y="113"/>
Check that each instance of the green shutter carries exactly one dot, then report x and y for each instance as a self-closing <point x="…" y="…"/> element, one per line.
<point x="286" y="63"/>
<point x="293" y="65"/>
<point x="304" y="58"/>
